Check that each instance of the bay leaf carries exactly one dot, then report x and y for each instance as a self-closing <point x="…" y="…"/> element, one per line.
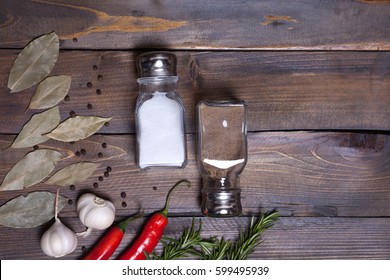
<point x="77" y="128"/>
<point x="50" y="92"/>
<point x="73" y="174"/>
<point x="30" y="211"/>
<point x="31" y="169"/>
<point x="41" y="123"/>
<point x="34" y="62"/>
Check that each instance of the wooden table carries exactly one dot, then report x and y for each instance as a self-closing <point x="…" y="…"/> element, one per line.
<point x="316" y="78"/>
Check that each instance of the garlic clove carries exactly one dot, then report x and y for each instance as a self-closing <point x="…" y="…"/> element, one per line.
<point x="100" y="218"/>
<point x="95" y="213"/>
<point x="58" y="240"/>
<point x="84" y="201"/>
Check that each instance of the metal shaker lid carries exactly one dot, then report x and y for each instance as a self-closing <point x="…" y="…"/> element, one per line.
<point x="221" y="203"/>
<point x="156" y="64"/>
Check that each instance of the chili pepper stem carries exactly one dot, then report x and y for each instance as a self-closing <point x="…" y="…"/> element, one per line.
<point x="123" y="225"/>
<point x="164" y="212"/>
<point x="152" y="232"/>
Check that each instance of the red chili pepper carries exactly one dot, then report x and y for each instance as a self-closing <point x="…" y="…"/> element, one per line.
<point x="151" y="233"/>
<point x="110" y="241"/>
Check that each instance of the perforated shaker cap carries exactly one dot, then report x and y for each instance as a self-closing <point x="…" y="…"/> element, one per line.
<point x="156" y="64"/>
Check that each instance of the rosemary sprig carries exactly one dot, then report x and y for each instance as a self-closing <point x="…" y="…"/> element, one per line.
<point x="251" y="238"/>
<point x="219" y="250"/>
<point x="192" y="244"/>
<point x="184" y="246"/>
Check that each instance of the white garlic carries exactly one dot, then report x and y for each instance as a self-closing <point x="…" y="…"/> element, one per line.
<point x="95" y="213"/>
<point x="58" y="240"/>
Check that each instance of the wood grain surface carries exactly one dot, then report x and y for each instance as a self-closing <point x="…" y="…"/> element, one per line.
<point x="296" y="173"/>
<point x="316" y="78"/>
<point x="290" y="238"/>
<point x="177" y="24"/>
<point x="283" y="90"/>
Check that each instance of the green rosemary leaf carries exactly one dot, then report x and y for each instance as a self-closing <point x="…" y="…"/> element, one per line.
<point x="248" y="240"/>
<point x="219" y="250"/>
<point x="206" y="247"/>
<point x="191" y="244"/>
<point x="185" y="246"/>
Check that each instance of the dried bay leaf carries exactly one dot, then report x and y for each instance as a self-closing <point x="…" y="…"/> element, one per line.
<point x="41" y="123"/>
<point x="31" y="169"/>
<point x="73" y="174"/>
<point x="77" y="128"/>
<point x="30" y="211"/>
<point x="34" y="62"/>
<point x="50" y="92"/>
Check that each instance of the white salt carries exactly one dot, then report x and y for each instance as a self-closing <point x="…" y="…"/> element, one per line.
<point x="161" y="135"/>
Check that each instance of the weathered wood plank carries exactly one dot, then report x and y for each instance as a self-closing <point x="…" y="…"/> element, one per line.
<point x="312" y="25"/>
<point x="297" y="173"/>
<point x="332" y="188"/>
<point x="284" y="90"/>
<point x="289" y="238"/>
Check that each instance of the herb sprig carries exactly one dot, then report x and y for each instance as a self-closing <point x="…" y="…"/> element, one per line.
<point x="248" y="241"/>
<point x="185" y="245"/>
<point x="192" y="244"/>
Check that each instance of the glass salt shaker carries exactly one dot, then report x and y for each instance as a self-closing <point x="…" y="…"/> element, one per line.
<point x="159" y="113"/>
<point x="222" y="155"/>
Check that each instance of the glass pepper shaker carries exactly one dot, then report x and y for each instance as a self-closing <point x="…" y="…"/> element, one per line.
<point x="222" y="155"/>
<point x="159" y="113"/>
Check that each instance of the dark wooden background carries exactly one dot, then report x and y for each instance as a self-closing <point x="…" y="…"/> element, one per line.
<point x="315" y="75"/>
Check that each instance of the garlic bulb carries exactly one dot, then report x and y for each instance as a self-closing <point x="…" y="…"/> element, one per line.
<point x="58" y="240"/>
<point x="95" y="213"/>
